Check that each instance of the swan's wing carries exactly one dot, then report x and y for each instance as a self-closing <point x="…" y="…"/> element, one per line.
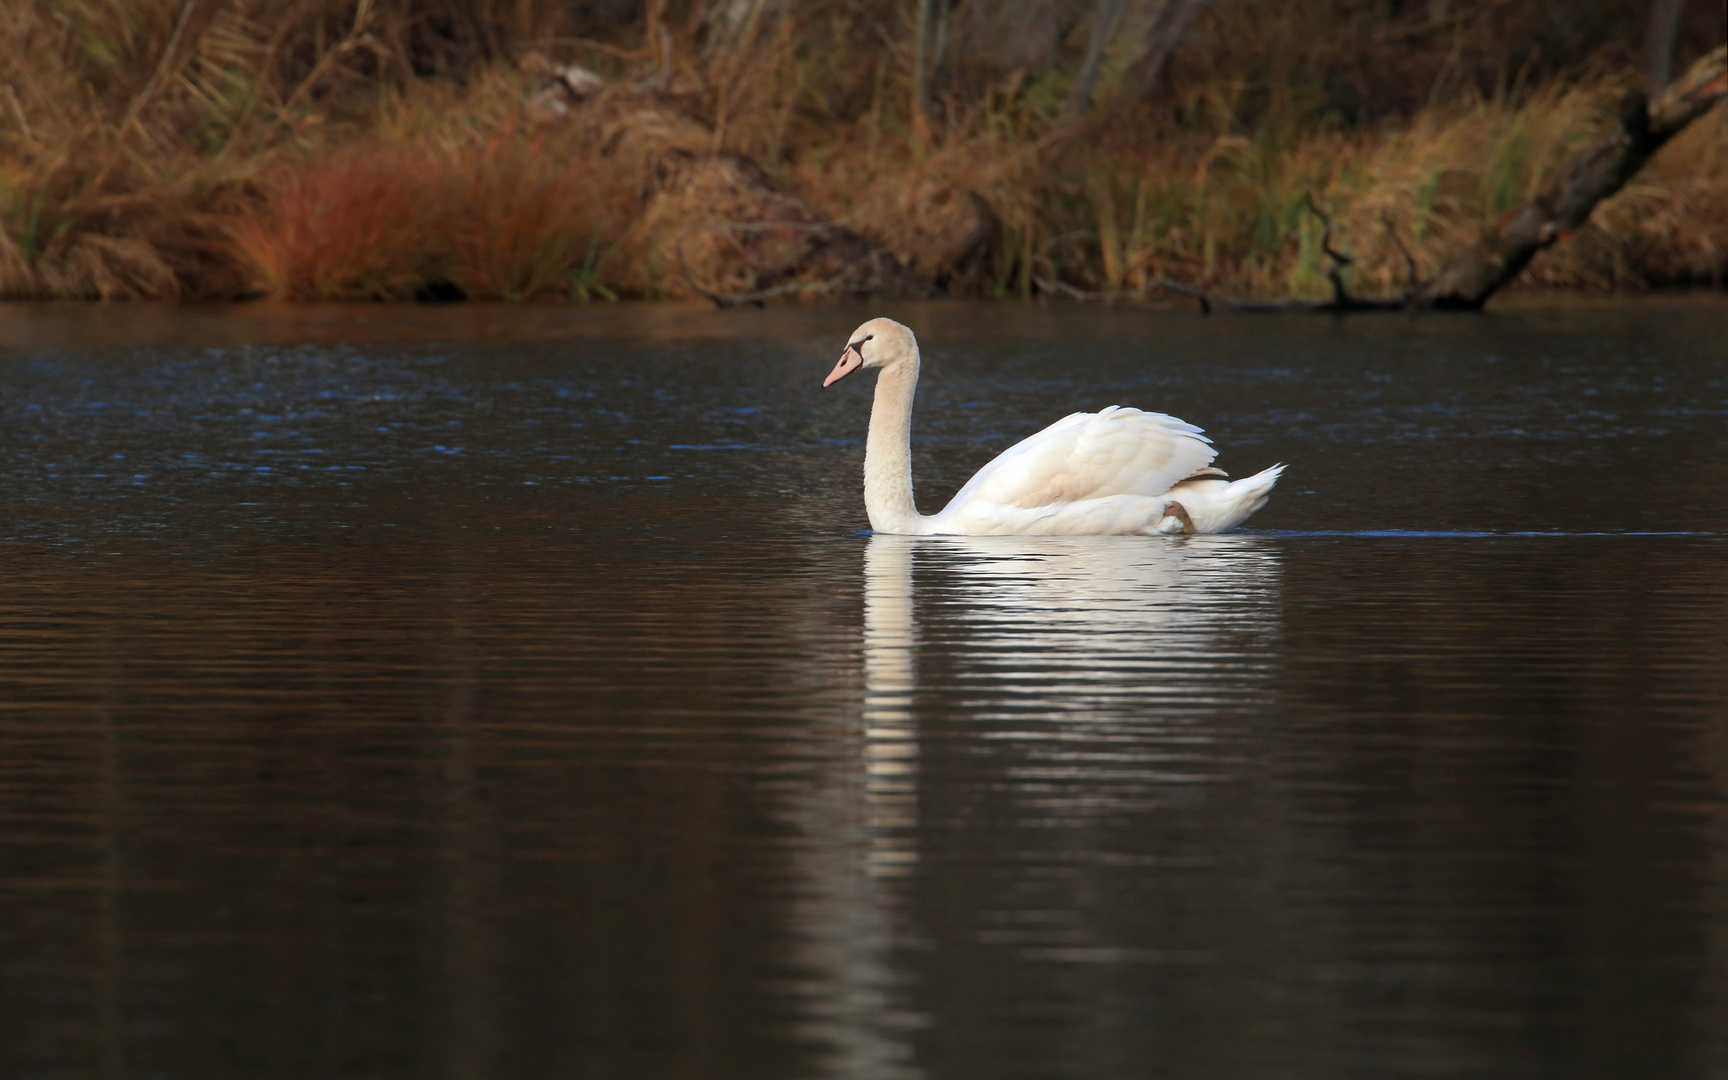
<point x="1091" y="455"/>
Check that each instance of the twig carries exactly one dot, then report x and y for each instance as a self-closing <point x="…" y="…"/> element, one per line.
<point x="356" y="38"/>
<point x="1055" y="286"/>
<point x="1335" y="273"/>
<point x="18" y="112"/>
<point x="1062" y="288"/>
<point x="160" y="75"/>
<point x="1211" y="301"/>
<point x="142" y="98"/>
<point x="1411" y="284"/>
<point x="1172" y="285"/>
<point x="1208" y="300"/>
<point x="597" y="46"/>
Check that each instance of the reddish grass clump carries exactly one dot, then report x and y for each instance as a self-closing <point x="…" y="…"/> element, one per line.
<point x="526" y="220"/>
<point x="505" y="219"/>
<point x="360" y="224"/>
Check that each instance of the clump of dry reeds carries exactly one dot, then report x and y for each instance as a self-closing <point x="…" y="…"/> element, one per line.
<point x="1233" y="210"/>
<point x="167" y="148"/>
<point x="357" y="224"/>
<point x="525" y="222"/>
<point x="499" y="218"/>
<point x="1225" y="203"/>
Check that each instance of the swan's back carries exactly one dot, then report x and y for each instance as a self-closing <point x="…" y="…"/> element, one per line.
<point x="1084" y="456"/>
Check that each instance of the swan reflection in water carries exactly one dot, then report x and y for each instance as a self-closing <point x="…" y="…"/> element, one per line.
<point x="1096" y="626"/>
<point x="1155" y="647"/>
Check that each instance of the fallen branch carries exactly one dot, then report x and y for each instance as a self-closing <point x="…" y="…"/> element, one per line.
<point x="1470" y="277"/>
<point x="1335" y="272"/>
<point x="1062" y="288"/>
<point x="1411" y="284"/>
<point x="1341" y="300"/>
<point x="1207" y="300"/>
<point x="1055" y="286"/>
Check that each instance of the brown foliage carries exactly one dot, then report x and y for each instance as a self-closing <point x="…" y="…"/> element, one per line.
<point x="346" y="148"/>
<point x="506" y="218"/>
<point x="354" y="225"/>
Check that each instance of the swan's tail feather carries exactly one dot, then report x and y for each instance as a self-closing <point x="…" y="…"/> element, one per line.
<point x="1214" y="506"/>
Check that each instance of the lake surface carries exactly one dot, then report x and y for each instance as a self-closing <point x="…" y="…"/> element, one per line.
<point x="484" y="692"/>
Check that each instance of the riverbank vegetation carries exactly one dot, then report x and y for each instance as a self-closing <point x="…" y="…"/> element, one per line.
<point x="387" y="149"/>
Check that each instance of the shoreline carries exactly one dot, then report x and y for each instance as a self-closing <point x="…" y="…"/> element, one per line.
<point x="310" y="161"/>
<point x="266" y="323"/>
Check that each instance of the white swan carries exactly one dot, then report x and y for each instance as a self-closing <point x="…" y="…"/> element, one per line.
<point x="1118" y="471"/>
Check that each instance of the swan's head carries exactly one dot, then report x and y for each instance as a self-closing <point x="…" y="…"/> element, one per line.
<point x="878" y="343"/>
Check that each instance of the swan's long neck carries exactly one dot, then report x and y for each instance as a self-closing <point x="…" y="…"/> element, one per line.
<point x="888" y="452"/>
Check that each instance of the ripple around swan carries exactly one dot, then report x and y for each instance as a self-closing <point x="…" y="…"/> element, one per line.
<point x="1459" y="534"/>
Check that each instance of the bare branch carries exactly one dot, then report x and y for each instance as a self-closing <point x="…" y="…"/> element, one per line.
<point x="1145" y="75"/>
<point x="136" y="108"/>
<point x="1106" y="15"/>
<point x="1062" y="288"/>
<point x="18" y="112"/>
<point x="1335" y="273"/>
<point x="1663" y="32"/>
<point x="1410" y="282"/>
<point x="1503" y="250"/>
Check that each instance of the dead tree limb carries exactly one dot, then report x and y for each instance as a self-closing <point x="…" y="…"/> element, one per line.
<point x="1053" y="285"/>
<point x="1145" y="74"/>
<point x="1467" y="279"/>
<point x="1105" y="15"/>
<point x="1158" y="284"/>
<point x="1341" y="301"/>
<point x="1411" y="283"/>
<point x="1663" y="32"/>
<point x="1339" y="260"/>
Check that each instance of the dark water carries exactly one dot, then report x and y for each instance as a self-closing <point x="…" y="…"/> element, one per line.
<point x="512" y="693"/>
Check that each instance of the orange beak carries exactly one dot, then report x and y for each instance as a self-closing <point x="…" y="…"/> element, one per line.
<point x="850" y="361"/>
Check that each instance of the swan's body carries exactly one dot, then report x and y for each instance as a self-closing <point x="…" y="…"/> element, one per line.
<point x="1118" y="471"/>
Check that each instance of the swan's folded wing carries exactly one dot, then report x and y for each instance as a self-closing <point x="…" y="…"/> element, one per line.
<point x="1091" y="455"/>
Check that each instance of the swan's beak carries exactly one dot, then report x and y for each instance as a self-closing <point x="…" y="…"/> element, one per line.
<point x="850" y="360"/>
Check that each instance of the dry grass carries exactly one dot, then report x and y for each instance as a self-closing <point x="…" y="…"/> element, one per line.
<point x="502" y="218"/>
<point x="332" y="149"/>
<point x="526" y="222"/>
<point x="163" y="149"/>
<point x="355" y="225"/>
<point x="1117" y="204"/>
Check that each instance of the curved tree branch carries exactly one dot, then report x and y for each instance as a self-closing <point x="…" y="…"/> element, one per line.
<point x="1471" y="276"/>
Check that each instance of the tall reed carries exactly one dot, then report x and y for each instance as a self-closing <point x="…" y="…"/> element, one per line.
<point x="499" y="218"/>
